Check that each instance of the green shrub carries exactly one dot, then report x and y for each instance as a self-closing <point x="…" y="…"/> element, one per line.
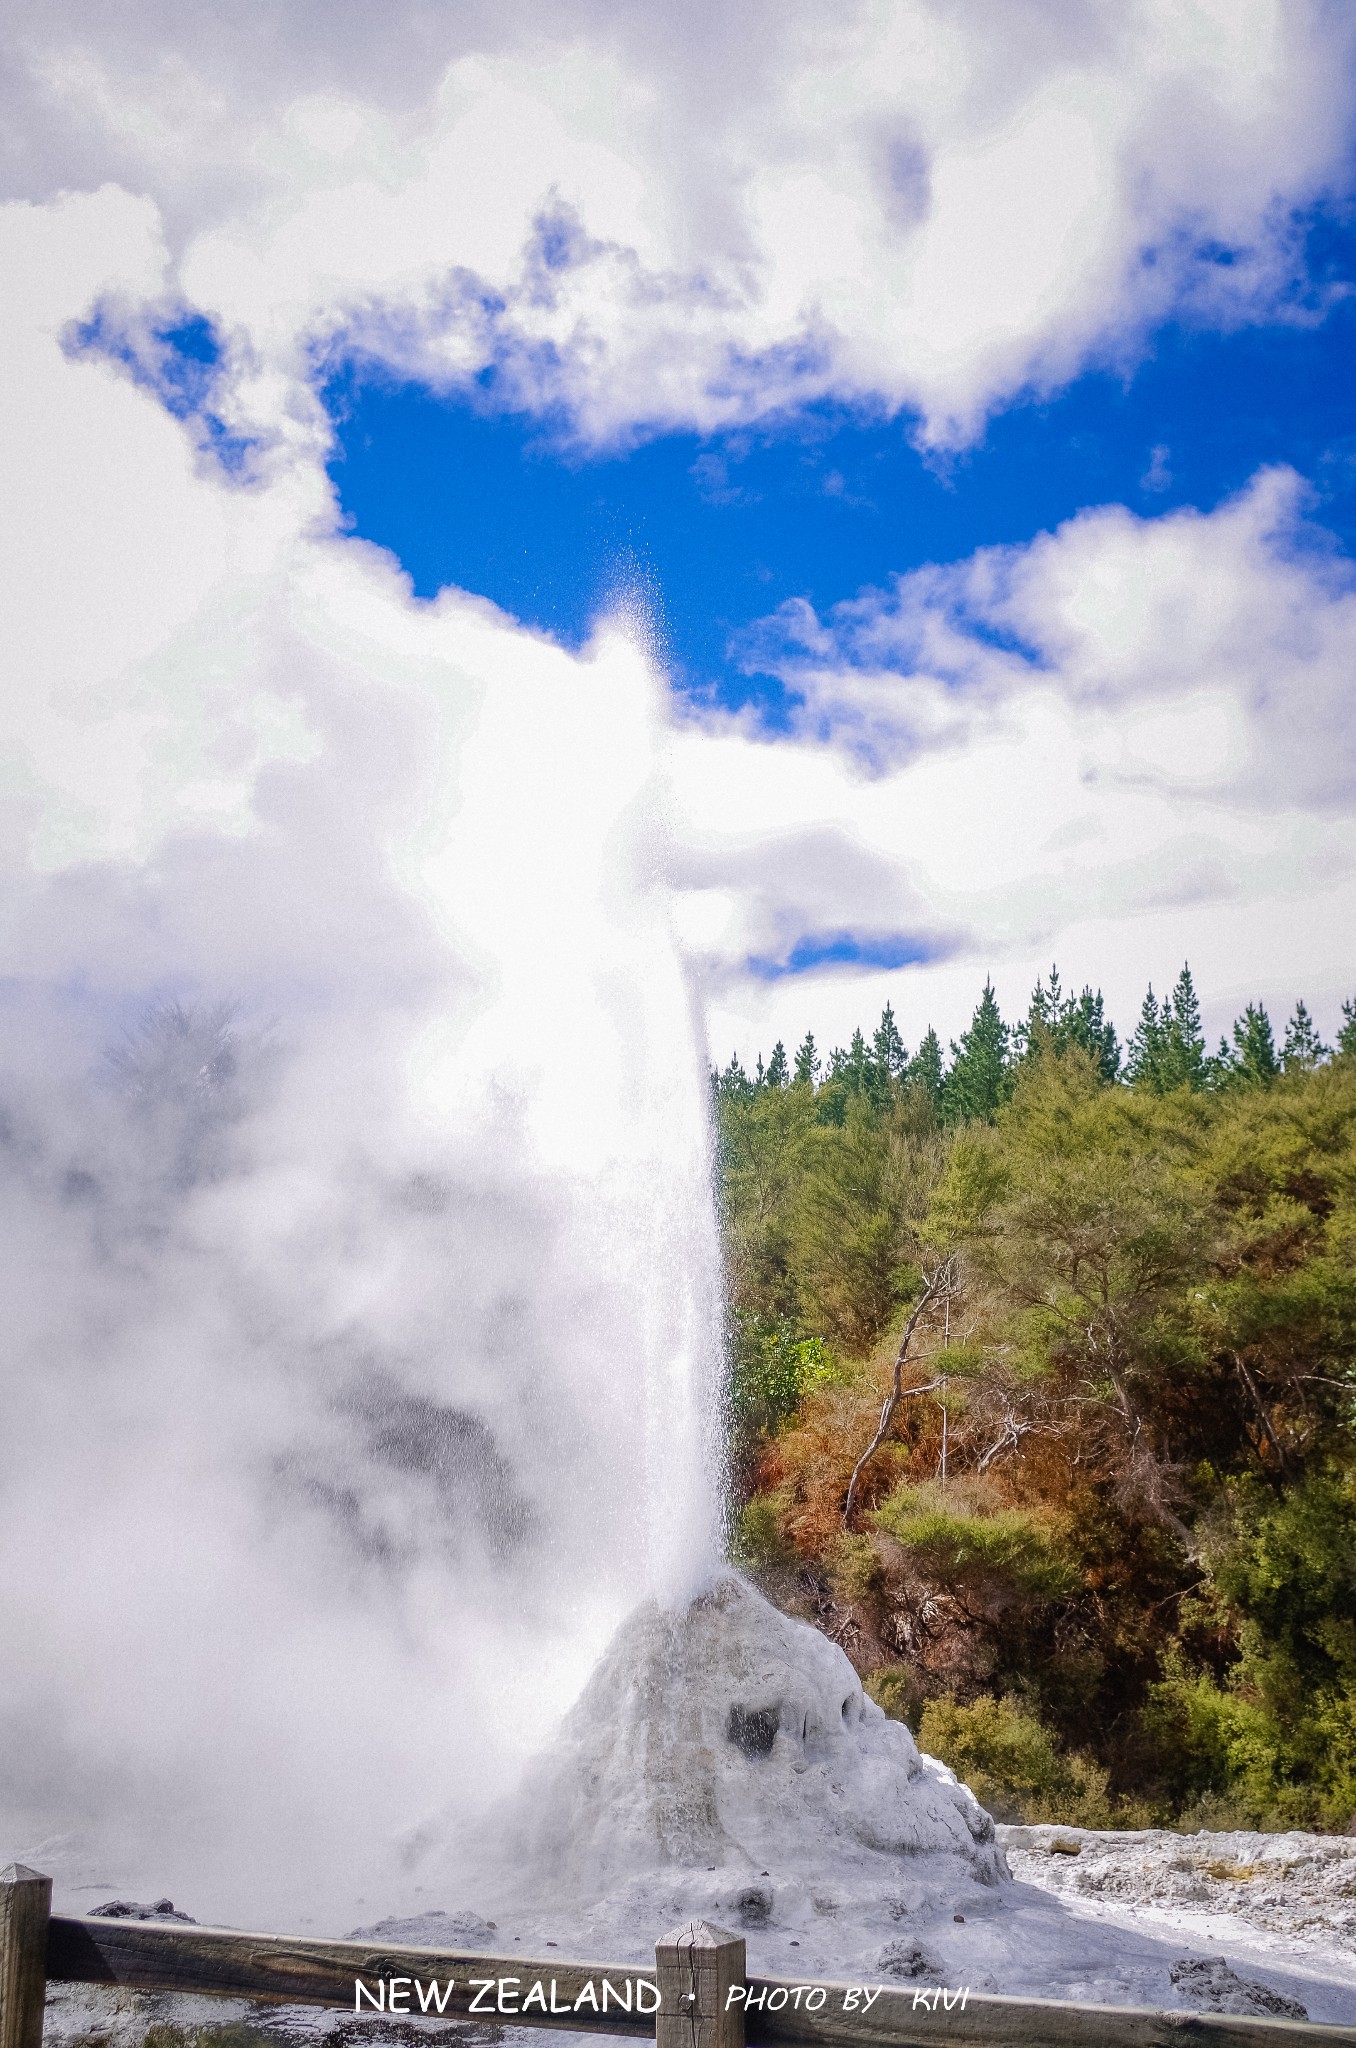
<point x="758" y="1539"/>
<point x="955" y="1538"/>
<point x="1229" y="1750"/>
<point x="775" y="1365"/>
<point x="854" y="1568"/>
<point x="1275" y="1743"/>
<point x="1011" y="1763"/>
<point x="894" y="1687"/>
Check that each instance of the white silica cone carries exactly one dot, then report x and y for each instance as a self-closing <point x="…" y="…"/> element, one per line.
<point x="723" y="1759"/>
<point x="722" y="1763"/>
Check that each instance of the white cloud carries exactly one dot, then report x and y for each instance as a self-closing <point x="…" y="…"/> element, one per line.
<point x="662" y="219"/>
<point x="1217" y="648"/>
<point x="1126" y="742"/>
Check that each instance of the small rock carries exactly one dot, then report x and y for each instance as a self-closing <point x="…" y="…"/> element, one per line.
<point x="753" y="1906"/>
<point x="431" y="1930"/>
<point x="908" y="1961"/>
<point x="1209" y="1985"/>
<point x="132" y="1909"/>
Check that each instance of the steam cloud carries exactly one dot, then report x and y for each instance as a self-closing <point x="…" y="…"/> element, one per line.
<point x="358" y="1267"/>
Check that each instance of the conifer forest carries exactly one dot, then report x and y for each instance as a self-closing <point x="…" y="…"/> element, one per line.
<point x="1043" y="1390"/>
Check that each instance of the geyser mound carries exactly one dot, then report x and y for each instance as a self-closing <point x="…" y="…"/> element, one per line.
<point x="724" y="1760"/>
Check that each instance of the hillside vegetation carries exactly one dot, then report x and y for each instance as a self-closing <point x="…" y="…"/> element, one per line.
<point x="1103" y="1558"/>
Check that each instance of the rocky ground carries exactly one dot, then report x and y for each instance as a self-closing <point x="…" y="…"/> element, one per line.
<point x="1236" y="1923"/>
<point x="1287" y="1899"/>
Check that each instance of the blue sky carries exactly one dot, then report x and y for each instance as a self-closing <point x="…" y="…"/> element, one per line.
<point x="719" y="531"/>
<point x="953" y="406"/>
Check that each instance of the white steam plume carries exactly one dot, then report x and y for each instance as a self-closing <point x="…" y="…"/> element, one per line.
<point x="361" y="1306"/>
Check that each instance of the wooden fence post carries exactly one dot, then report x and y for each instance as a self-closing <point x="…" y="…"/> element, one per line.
<point x="697" y="1967"/>
<point x="25" y="1907"/>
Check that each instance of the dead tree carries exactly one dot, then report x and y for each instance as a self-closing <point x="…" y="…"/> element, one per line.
<point x="937" y="1286"/>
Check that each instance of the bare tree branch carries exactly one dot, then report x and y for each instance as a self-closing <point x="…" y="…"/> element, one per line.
<point x="937" y="1285"/>
<point x="1014" y="1429"/>
<point x="1268" y="1431"/>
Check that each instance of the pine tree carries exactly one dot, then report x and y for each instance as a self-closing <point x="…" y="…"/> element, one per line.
<point x="1144" y="1054"/>
<point x="1055" y="1021"/>
<point x="885" y="1062"/>
<point x="924" y="1070"/>
<point x="1167" y="1050"/>
<point x="1089" y="1026"/>
<point x="778" y="1074"/>
<point x="887" y="1047"/>
<point x="1346" y="1037"/>
<point x="1182" y="1060"/>
<point x="979" y="1080"/>
<point x="734" y="1083"/>
<point x="856" y="1064"/>
<point x="1042" y="1019"/>
<point x="1251" y="1061"/>
<point x="1303" y="1049"/>
<point x="807" y="1060"/>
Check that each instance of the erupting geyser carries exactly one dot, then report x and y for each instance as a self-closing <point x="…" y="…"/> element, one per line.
<point x="362" y="1309"/>
<point x="724" y="1761"/>
<point x="359" y="1269"/>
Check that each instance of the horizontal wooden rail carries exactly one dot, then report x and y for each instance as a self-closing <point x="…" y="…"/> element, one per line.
<point x="696" y="1996"/>
<point x="139" y="1955"/>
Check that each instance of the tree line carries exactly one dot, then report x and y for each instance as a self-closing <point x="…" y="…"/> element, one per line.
<point x="1166" y="1050"/>
<point x="1043" y="1380"/>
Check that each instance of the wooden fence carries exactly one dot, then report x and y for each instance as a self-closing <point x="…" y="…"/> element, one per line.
<point x="697" y="1995"/>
